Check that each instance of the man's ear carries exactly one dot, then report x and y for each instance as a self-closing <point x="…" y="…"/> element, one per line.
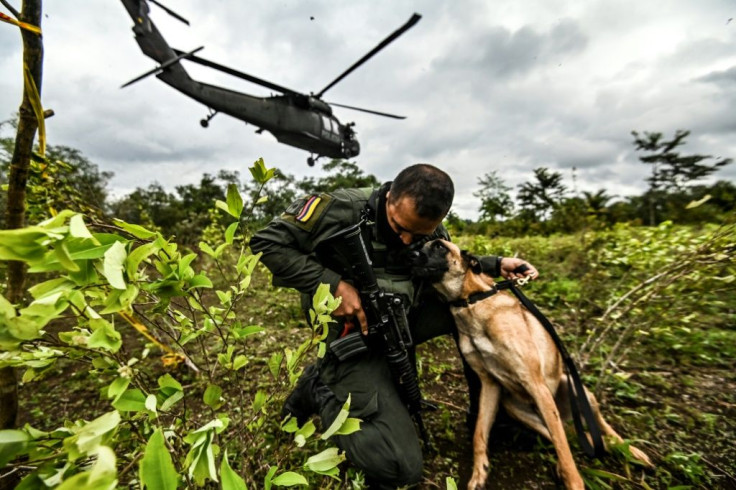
<point x="472" y="261"/>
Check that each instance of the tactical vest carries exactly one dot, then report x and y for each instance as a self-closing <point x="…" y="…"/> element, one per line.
<point x="392" y="269"/>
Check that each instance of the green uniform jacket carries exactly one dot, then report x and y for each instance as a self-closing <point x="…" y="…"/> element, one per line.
<point x="293" y="244"/>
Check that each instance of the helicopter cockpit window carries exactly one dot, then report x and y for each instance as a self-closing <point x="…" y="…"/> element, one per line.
<point x="327" y="124"/>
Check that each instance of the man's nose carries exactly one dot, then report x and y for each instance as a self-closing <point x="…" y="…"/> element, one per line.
<point x="406" y="238"/>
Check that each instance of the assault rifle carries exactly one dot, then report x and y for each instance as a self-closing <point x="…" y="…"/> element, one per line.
<point x="388" y="327"/>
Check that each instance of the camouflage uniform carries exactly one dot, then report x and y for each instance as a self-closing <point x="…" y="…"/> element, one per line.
<point x="387" y="447"/>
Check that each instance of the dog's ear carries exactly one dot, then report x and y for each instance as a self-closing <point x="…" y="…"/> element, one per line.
<point x="472" y="261"/>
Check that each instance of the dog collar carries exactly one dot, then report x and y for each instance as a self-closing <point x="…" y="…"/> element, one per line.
<point x="474" y="298"/>
<point x="480" y="296"/>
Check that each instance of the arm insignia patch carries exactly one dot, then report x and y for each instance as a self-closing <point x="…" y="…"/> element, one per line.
<point x="307" y="210"/>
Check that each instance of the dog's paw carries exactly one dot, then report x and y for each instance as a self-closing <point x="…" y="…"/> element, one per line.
<point x="641" y="456"/>
<point x="478" y="481"/>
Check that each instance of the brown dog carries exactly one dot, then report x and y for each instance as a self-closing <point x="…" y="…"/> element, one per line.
<point x="516" y="359"/>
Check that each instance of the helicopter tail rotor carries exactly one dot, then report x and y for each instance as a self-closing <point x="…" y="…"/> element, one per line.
<point x="163" y="66"/>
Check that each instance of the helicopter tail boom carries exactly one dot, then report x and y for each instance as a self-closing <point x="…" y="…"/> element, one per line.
<point x="152" y="43"/>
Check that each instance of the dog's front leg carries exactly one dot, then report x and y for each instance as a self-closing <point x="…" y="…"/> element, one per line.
<point x="489" y="399"/>
<point x="551" y="416"/>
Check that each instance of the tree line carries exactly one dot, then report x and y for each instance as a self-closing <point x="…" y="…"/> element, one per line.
<point x="542" y="205"/>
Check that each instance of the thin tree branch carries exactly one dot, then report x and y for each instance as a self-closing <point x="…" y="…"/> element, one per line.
<point x="15" y="13"/>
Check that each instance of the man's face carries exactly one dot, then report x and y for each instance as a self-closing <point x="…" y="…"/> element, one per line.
<point x="403" y="219"/>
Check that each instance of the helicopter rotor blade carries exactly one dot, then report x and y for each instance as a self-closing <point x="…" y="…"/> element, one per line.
<point x="409" y="24"/>
<point x="385" y="114"/>
<point x="170" y="12"/>
<point x="240" y="74"/>
<point x="180" y="55"/>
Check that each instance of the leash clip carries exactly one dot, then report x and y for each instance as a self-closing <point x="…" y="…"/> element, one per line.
<point x="522" y="280"/>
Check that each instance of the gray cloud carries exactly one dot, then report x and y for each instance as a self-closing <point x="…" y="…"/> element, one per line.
<point x="486" y="86"/>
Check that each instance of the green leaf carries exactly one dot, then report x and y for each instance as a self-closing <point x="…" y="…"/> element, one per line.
<point x="12" y="444"/>
<point x="117" y="388"/>
<point x="289" y="479"/>
<point x="137" y="256"/>
<point x="304" y="433"/>
<point x="695" y="204"/>
<point x="224" y="297"/>
<point x="230" y="479"/>
<point x="156" y="469"/>
<point x="242" y="332"/>
<point x="50" y="287"/>
<point x="222" y="205"/>
<point x="171" y="400"/>
<point x="24" y="244"/>
<point x="234" y="201"/>
<point x="207" y="249"/>
<point x="291" y="425"/>
<point x="269" y="476"/>
<point x="239" y="362"/>
<point x="339" y="420"/>
<point x="349" y="426"/>
<point x="136" y="230"/>
<point x="89" y="436"/>
<point x="104" y="336"/>
<point x="200" y="281"/>
<point x="212" y="396"/>
<point x="62" y="255"/>
<point x="260" y="173"/>
<point x="325" y="461"/>
<point x="450" y="483"/>
<point x="274" y="363"/>
<point x="78" y="229"/>
<point x="230" y="233"/>
<point x="102" y="476"/>
<point x="131" y="401"/>
<point x="168" y="381"/>
<point x="170" y="391"/>
<point x="259" y="400"/>
<point x="151" y="403"/>
<point x="6" y="307"/>
<point x="201" y="460"/>
<point x="113" y="265"/>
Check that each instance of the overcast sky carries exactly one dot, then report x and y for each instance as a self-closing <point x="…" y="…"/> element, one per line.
<point x="485" y="85"/>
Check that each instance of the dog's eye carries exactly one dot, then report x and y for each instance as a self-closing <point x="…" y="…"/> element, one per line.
<point x="437" y="245"/>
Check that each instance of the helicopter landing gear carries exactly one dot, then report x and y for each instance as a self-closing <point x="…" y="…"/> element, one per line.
<point x="206" y="121"/>
<point x="312" y="159"/>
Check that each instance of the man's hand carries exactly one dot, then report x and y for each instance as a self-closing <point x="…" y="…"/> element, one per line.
<point x="350" y="307"/>
<point x="509" y="264"/>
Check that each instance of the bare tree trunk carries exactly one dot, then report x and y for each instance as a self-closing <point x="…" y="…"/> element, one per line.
<point x="16" y="204"/>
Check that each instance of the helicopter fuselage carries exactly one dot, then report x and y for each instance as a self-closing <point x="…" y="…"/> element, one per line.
<point x="297" y="120"/>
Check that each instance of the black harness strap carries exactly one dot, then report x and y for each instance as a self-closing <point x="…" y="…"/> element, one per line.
<point x="578" y="401"/>
<point x="579" y="404"/>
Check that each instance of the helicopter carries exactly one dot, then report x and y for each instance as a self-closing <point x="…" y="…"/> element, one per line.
<point x="296" y="119"/>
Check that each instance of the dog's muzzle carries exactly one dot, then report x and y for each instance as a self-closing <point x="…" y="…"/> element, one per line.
<point x="424" y="268"/>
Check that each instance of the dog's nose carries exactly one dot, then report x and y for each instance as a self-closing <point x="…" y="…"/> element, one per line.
<point x="417" y="258"/>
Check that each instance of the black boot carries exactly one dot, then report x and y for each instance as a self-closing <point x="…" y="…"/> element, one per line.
<point x="308" y="397"/>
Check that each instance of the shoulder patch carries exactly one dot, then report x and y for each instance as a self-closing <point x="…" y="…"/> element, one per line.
<point x="306" y="212"/>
